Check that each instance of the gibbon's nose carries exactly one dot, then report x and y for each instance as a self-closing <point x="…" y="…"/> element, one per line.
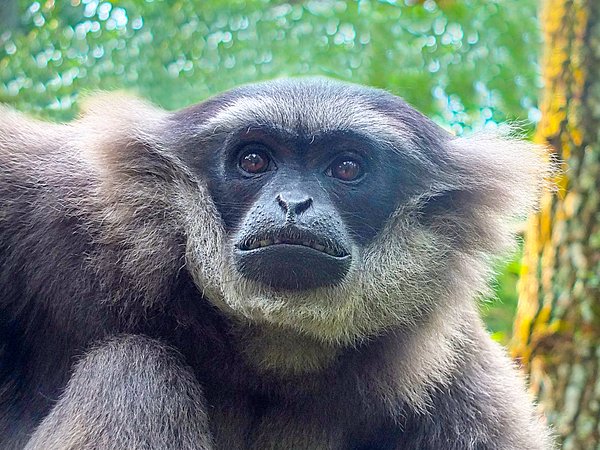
<point x="293" y="205"/>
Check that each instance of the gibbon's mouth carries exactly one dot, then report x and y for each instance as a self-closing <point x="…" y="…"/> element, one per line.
<point x="292" y="259"/>
<point x="300" y="239"/>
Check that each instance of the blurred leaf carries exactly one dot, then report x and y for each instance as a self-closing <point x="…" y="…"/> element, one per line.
<point x="466" y="63"/>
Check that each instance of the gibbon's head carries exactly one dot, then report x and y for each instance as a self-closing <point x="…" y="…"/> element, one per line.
<point x="334" y="209"/>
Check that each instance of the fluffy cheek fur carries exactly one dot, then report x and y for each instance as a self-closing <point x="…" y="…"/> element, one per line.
<point x="393" y="282"/>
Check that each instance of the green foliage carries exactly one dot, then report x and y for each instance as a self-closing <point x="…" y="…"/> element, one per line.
<point x="466" y="63"/>
<point x="499" y="314"/>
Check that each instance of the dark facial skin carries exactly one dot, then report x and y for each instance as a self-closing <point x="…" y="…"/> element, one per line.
<point x="297" y="206"/>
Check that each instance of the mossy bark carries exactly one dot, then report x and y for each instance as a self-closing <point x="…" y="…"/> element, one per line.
<point x="557" y="329"/>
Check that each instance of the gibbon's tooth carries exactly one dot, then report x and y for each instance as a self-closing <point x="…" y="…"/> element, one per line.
<point x="278" y="241"/>
<point x="306" y="243"/>
<point x="253" y="245"/>
<point x="265" y="243"/>
<point x="319" y="247"/>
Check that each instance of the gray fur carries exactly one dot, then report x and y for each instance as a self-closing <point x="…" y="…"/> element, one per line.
<point x="107" y="231"/>
<point x="169" y="411"/>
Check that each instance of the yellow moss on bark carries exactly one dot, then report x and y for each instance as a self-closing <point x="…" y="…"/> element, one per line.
<point x="557" y="329"/>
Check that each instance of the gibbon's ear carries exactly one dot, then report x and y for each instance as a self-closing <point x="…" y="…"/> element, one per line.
<point x="484" y="183"/>
<point x="125" y="136"/>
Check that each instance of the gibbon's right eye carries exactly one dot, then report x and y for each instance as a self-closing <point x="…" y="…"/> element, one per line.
<point x="254" y="160"/>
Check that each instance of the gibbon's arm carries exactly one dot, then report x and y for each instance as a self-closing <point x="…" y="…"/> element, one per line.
<point x="484" y="406"/>
<point x="130" y="392"/>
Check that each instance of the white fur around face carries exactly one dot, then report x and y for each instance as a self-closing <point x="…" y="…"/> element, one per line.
<point x="390" y="283"/>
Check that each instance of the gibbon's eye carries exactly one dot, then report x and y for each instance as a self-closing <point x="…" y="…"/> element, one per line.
<point x="345" y="169"/>
<point x="254" y="160"/>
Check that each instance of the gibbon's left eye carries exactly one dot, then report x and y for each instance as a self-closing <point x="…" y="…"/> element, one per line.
<point x="346" y="169"/>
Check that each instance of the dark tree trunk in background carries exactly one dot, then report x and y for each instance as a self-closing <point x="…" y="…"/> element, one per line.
<point x="557" y="330"/>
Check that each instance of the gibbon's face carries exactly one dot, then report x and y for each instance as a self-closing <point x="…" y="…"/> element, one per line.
<point x="300" y="191"/>
<point x="339" y="210"/>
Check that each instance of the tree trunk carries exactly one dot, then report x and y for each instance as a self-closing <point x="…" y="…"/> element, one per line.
<point x="557" y="330"/>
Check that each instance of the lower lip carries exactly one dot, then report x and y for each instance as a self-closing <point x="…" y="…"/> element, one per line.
<point x="291" y="266"/>
<point x="288" y="244"/>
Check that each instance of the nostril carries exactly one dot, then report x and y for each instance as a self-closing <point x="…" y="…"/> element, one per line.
<point x="294" y="207"/>
<point x="282" y="202"/>
<point x="301" y="206"/>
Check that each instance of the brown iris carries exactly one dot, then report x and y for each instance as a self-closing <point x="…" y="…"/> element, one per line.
<point x="346" y="170"/>
<point x="254" y="162"/>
